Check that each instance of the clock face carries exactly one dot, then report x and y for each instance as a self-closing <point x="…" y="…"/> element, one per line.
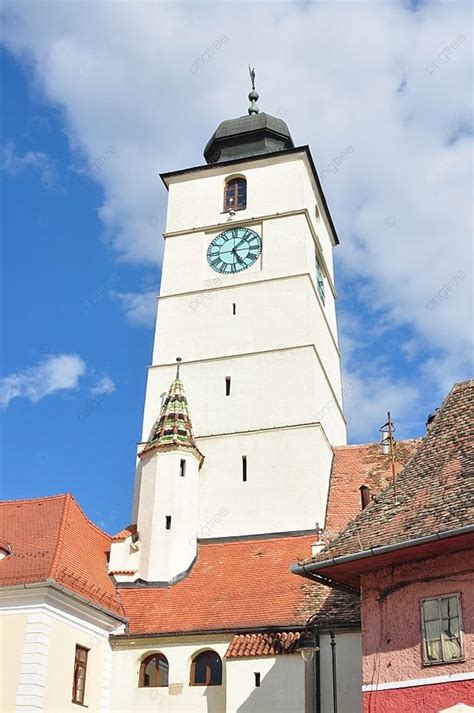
<point x="234" y="250"/>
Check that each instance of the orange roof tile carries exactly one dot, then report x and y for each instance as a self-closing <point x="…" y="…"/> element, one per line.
<point x="126" y="532"/>
<point x="270" y="644"/>
<point x="435" y="492"/>
<point x="236" y="584"/>
<point x="357" y="465"/>
<point x="52" y="539"/>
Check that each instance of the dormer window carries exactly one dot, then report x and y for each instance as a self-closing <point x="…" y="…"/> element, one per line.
<point x="235" y="194"/>
<point x="5" y="549"/>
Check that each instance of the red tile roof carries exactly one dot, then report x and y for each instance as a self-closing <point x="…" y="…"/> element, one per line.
<point x="435" y="489"/>
<point x="271" y="644"/>
<point x="126" y="532"/>
<point x="357" y="465"/>
<point x="52" y="539"/>
<point x="240" y="584"/>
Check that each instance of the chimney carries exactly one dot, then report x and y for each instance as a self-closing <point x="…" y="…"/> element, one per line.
<point x="318" y="545"/>
<point x="430" y="420"/>
<point x="385" y="443"/>
<point x="365" y="496"/>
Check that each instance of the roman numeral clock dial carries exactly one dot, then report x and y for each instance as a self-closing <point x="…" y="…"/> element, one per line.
<point x="234" y="250"/>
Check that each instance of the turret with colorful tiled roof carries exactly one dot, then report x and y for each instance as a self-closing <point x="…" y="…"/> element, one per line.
<point x="173" y="427"/>
<point x="168" y="493"/>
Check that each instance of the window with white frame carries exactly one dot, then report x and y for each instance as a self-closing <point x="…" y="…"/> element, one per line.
<point x="442" y="629"/>
<point x="320" y="280"/>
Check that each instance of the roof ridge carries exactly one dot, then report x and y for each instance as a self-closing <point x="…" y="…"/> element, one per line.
<point x="234" y="540"/>
<point x="385" y="502"/>
<point x="90" y="522"/>
<point x="60" y="541"/>
<point x="33" y="500"/>
<point x="375" y="443"/>
<point x="446" y="404"/>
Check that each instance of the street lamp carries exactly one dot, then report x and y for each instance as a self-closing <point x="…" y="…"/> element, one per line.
<point x="308" y="644"/>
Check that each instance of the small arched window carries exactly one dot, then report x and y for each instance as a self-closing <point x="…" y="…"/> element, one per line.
<point x="206" y="669"/>
<point x="235" y="194"/>
<point x="154" y="671"/>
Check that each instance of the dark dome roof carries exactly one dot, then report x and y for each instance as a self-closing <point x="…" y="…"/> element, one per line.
<point x="251" y="135"/>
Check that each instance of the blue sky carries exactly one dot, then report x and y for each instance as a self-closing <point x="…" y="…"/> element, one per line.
<point x="98" y="102"/>
<point x="55" y="301"/>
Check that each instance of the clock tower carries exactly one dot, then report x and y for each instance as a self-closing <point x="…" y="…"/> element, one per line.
<point x="248" y="302"/>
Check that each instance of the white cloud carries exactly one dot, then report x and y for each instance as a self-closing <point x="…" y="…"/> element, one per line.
<point x="367" y="398"/>
<point x="32" y="161"/>
<point x="104" y="386"/>
<point x="55" y="373"/>
<point x="125" y="75"/>
<point x="140" y="308"/>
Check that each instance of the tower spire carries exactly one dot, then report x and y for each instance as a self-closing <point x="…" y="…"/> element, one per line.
<point x="253" y="96"/>
<point x="173" y="427"/>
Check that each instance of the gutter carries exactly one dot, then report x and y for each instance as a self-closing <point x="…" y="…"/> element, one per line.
<point x="68" y="592"/>
<point x="312" y="567"/>
<point x="352" y="626"/>
<point x="84" y="600"/>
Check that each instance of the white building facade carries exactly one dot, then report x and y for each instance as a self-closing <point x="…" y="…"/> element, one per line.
<point x="199" y="612"/>
<point x="260" y="349"/>
<point x="247" y="302"/>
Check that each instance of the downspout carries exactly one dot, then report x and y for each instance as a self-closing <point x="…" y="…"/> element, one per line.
<point x="334" y="670"/>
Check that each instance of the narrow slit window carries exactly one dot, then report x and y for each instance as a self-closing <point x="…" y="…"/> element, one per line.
<point x="234" y="308"/>
<point x="168" y="522"/>
<point x="227" y="385"/>
<point x="182" y="467"/>
<point x="244" y="468"/>
<point x="320" y="281"/>
<point x="257" y="679"/>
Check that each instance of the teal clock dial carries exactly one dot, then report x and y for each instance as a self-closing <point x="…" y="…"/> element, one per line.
<point x="234" y="250"/>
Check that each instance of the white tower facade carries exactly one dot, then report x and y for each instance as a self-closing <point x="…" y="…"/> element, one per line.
<point x="168" y="472"/>
<point x="248" y="301"/>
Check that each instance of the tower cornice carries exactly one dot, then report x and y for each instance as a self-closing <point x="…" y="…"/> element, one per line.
<point x="168" y="177"/>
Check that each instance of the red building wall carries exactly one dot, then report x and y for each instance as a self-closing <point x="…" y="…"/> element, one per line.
<point x="419" y="699"/>
<point x="394" y="675"/>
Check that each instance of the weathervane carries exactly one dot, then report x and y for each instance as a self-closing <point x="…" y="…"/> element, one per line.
<point x="252" y="76"/>
<point x="253" y="96"/>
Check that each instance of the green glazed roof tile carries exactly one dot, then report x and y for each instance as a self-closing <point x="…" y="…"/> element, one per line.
<point x="173" y="427"/>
